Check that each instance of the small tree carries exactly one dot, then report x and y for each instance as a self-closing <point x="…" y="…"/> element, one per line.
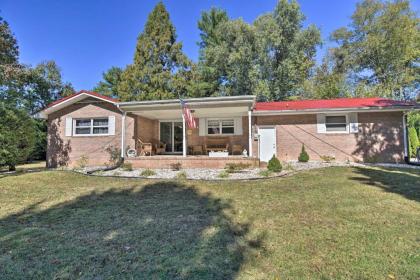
<point x="413" y="141"/>
<point x="274" y="164"/>
<point x="17" y="136"/>
<point x="303" y="157"/>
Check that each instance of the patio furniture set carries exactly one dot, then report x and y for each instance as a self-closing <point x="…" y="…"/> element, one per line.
<point x="213" y="147"/>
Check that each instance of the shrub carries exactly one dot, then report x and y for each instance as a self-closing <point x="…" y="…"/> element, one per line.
<point x="303" y="157"/>
<point x="182" y="175"/>
<point x="327" y="158"/>
<point x="265" y="173"/>
<point x="176" y="166"/>
<point x="114" y="155"/>
<point x="147" y="172"/>
<point x="127" y="166"/>
<point x="82" y="162"/>
<point x="235" y="167"/>
<point x="413" y="141"/>
<point x="223" y="174"/>
<point x="274" y="164"/>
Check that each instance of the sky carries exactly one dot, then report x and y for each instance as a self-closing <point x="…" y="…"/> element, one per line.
<point x="87" y="37"/>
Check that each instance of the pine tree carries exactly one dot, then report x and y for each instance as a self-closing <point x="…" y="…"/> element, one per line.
<point x="158" y="61"/>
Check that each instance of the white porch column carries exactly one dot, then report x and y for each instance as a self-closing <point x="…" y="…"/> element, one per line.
<point x="250" y="132"/>
<point x="184" y="138"/>
<point x="123" y="134"/>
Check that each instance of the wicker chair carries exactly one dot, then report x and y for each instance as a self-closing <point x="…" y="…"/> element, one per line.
<point x="237" y="149"/>
<point x="145" y="148"/>
<point x="197" y="150"/>
<point x="160" y="148"/>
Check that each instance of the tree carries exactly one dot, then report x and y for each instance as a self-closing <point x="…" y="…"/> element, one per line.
<point x="109" y="85"/>
<point x="24" y="91"/>
<point x="9" y="51"/>
<point x="270" y="58"/>
<point x="230" y="63"/>
<point x="16" y="136"/>
<point x="326" y="83"/>
<point x="157" y="60"/>
<point x="208" y="25"/>
<point x="43" y="85"/>
<point x="285" y="50"/>
<point x="380" y="50"/>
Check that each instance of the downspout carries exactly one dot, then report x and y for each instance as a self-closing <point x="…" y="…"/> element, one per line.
<point x="250" y="132"/>
<point x="406" y="156"/>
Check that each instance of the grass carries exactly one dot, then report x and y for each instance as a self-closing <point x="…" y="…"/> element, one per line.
<point x="335" y="223"/>
<point x="33" y="166"/>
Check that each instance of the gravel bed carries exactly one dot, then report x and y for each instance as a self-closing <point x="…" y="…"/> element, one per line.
<point x="247" y="174"/>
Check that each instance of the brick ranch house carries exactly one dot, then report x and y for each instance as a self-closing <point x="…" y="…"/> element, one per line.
<point x="230" y="129"/>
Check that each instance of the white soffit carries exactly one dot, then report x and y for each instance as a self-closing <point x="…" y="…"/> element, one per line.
<point x="197" y="113"/>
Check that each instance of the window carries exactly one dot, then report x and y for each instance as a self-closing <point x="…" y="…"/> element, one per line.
<point x="97" y="126"/>
<point x="215" y="127"/>
<point x="336" y="123"/>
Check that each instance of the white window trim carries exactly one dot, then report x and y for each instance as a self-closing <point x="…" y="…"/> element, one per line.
<point x="220" y="126"/>
<point x="347" y="131"/>
<point x="91" y="127"/>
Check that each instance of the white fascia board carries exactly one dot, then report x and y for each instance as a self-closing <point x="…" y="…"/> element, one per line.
<point x="193" y="101"/>
<point x="44" y="113"/>
<point x="333" y="110"/>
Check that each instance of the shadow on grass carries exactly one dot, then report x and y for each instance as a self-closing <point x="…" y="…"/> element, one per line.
<point x="163" y="230"/>
<point x="18" y="172"/>
<point x="405" y="182"/>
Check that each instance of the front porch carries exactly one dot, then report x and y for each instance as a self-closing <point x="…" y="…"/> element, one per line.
<point x="161" y="137"/>
<point x="166" y="161"/>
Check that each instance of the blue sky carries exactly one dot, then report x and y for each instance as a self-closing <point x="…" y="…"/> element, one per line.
<point x="86" y="37"/>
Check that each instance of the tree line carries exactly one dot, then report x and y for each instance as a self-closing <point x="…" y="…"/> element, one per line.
<point x="377" y="54"/>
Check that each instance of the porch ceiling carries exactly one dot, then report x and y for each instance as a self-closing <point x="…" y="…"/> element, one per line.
<point x="163" y="114"/>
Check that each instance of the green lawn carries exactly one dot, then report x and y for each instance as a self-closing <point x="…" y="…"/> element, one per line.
<point x="334" y="223"/>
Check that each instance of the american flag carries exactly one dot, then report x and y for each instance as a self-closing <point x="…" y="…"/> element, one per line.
<point x="189" y="119"/>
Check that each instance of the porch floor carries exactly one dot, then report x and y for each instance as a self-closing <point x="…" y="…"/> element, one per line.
<point x="196" y="161"/>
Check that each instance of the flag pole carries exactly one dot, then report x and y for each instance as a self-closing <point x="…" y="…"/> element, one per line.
<point x="184" y="134"/>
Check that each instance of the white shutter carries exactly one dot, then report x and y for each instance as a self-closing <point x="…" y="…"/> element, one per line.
<point x="111" y="125"/>
<point x="320" y="123"/>
<point x="238" y="126"/>
<point x="354" y="123"/>
<point x="69" y="126"/>
<point x="202" y="127"/>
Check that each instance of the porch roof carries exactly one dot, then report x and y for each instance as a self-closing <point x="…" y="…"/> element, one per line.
<point x="225" y="106"/>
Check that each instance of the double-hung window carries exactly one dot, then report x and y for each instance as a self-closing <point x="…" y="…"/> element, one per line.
<point x="336" y="123"/>
<point x="218" y="127"/>
<point x="96" y="126"/>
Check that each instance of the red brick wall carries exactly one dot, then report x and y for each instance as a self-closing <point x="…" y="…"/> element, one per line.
<point x="380" y="138"/>
<point x="66" y="151"/>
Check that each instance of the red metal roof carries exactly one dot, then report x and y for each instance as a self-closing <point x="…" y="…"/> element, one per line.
<point x="91" y="93"/>
<point x="330" y="104"/>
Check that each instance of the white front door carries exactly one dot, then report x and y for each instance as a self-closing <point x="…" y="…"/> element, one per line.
<point x="267" y="143"/>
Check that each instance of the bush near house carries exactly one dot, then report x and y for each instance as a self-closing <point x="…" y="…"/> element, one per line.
<point x="413" y="141"/>
<point x="303" y="157"/>
<point x="274" y="164"/>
